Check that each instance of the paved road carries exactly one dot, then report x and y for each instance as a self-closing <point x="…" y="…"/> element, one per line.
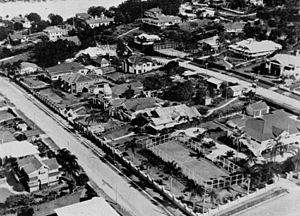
<point x="268" y="94"/>
<point x="117" y="188"/>
<point x="287" y="205"/>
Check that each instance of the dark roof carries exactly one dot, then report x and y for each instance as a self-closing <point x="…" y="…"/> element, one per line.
<point x="137" y="104"/>
<point x="109" y="69"/>
<point x="271" y="125"/>
<point x="75" y="78"/>
<point x="100" y="60"/>
<point x="65" y="67"/>
<point x="140" y="59"/>
<point x="117" y="90"/>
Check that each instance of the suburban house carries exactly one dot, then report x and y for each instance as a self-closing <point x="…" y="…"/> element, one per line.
<point x="97" y="206"/>
<point x="118" y="90"/>
<point x="73" y="39"/>
<point x="64" y="68"/>
<point x="29" y="68"/>
<point x="101" y="62"/>
<point x="23" y="20"/>
<point x="76" y="82"/>
<point x="277" y="125"/>
<point x="99" y="21"/>
<point x="284" y="65"/>
<point x="138" y="64"/>
<point x="146" y="39"/>
<point x="234" y="27"/>
<point x="235" y="91"/>
<point x="250" y="48"/>
<point x="257" y="109"/>
<point x="16" y="38"/>
<point x="54" y="32"/>
<point x="38" y="171"/>
<point x="155" y="18"/>
<point x="212" y="42"/>
<point x="214" y="82"/>
<point x="17" y="149"/>
<point x="130" y="108"/>
<point x="167" y="117"/>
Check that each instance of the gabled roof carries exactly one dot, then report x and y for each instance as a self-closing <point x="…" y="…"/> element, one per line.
<point x="30" y="164"/>
<point x="117" y="90"/>
<point x="101" y="60"/>
<point x="287" y="60"/>
<point x="269" y="126"/>
<point x="137" y="104"/>
<point x="140" y="59"/>
<point x="258" y="105"/>
<point x="99" y="20"/>
<point x="75" y="78"/>
<point x="215" y="81"/>
<point x="16" y="36"/>
<point x="51" y="163"/>
<point x="53" y="29"/>
<point x="66" y="67"/>
<point x="237" y="88"/>
<point x="74" y="39"/>
<point x="17" y="149"/>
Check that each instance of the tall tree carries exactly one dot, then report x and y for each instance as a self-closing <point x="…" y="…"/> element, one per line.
<point x="34" y="17"/>
<point x="55" y="19"/>
<point x="96" y="11"/>
<point x="68" y="162"/>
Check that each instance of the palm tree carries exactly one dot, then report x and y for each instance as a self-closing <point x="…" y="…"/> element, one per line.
<point x="278" y="145"/>
<point x="194" y="189"/>
<point x="251" y="159"/>
<point x="172" y="169"/>
<point x="296" y="159"/>
<point x="213" y="195"/>
<point x="68" y="162"/>
<point x="236" y="141"/>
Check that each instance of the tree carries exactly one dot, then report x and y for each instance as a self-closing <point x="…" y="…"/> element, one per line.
<point x="277" y="146"/>
<point x="55" y="19"/>
<point x="48" y="54"/>
<point x="68" y="162"/>
<point x="97" y="116"/>
<point x="4" y="32"/>
<point x="34" y="17"/>
<point x="96" y="11"/>
<point x="213" y="195"/>
<point x="121" y="49"/>
<point x="132" y="145"/>
<point x="172" y="169"/>
<point x="179" y="91"/>
<point x="237" y="136"/>
<point x="40" y="26"/>
<point x="195" y="190"/>
<point x="229" y="154"/>
<point x="18" y="26"/>
<point x="129" y="93"/>
<point x="296" y="159"/>
<point x="27" y="210"/>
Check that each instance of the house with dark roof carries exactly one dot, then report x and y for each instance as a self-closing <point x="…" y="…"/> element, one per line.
<point x="73" y="39"/>
<point x="138" y="64"/>
<point x="168" y="117"/>
<point x="118" y="90"/>
<point x="16" y="38"/>
<point x="101" y="62"/>
<point x="39" y="172"/>
<point x="278" y="124"/>
<point x="59" y="70"/>
<point x="257" y="109"/>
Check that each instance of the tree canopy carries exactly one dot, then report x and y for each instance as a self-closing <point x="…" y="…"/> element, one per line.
<point x="96" y="11"/>
<point x="48" y="54"/>
<point x="179" y="92"/>
<point x="55" y="19"/>
<point x="34" y="17"/>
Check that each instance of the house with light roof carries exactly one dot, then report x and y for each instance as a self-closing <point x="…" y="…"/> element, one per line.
<point x="38" y="172"/>
<point x="138" y="64"/>
<point x="54" y="32"/>
<point x="285" y="65"/>
<point x="155" y="18"/>
<point x="251" y="48"/>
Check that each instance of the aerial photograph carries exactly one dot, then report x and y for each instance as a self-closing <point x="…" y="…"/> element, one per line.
<point x="150" y="107"/>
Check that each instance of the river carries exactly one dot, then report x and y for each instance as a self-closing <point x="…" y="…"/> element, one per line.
<point x="65" y="8"/>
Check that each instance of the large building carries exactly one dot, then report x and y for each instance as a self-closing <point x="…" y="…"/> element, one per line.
<point x="62" y="69"/>
<point x="155" y="18"/>
<point x="168" y="117"/>
<point x="138" y="64"/>
<point x="54" y="32"/>
<point x="284" y="65"/>
<point x="99" y="21"/>
<point x="251" y="48"/>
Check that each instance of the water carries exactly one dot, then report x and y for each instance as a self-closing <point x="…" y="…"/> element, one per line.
<point x="65" y="8"/>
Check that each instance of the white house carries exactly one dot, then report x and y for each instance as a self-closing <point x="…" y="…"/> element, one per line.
<point x="99" y="21"/>
<point x="155" y="18"/>
<point x="284" y="65"/>
<point x="251" y="48"/>
<point x="28" y="68"/>
<point x="138" y="64"/>
<point x="54" y="32"/>
<point x="146" y="39"/>
<point x="40" y="172"/>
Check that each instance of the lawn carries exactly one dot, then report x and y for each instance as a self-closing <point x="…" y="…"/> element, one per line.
<point x="4" y="193"/>
<point x="181" y="155"/>
<point x="34" y="82"/>
<point x="48" y="207"/>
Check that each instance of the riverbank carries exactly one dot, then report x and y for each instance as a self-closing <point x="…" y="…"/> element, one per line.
<point x="65" y="8"/>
